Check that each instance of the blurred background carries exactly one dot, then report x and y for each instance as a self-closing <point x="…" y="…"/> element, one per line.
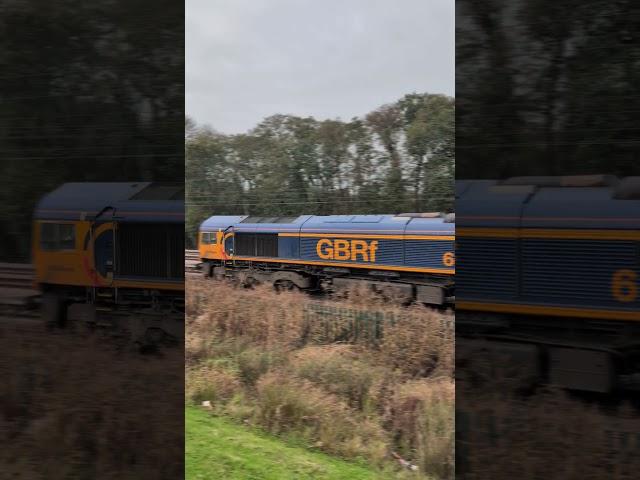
<point x="90" y="92"/>
<point x="546" y="88"/>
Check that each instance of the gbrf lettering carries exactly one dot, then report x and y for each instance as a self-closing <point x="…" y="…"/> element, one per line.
<point x="342" y="249"/>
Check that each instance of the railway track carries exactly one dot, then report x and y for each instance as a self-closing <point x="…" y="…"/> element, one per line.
<point x="19" y="276"/>
<point x="191" y="256"/>
<point x="16" y="275"/>
<point x="191" y="262"/>
<point x="19" y="298"/>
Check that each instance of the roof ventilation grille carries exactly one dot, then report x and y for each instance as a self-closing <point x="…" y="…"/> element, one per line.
<point x="421" y="215"/>
<point x="269" y="220"/>
<point x="564" y="181"/>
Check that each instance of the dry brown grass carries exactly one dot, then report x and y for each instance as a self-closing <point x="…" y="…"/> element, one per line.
<point x="351" y="373"/>
<point x="359" y="378"/>
<point x="75" y="407"/>
<point x="213" y="384"/>
<point x="548" y="435"/>
<point x="420" y="344"/>
<point x="421" y="417"/>
<point x="285" y="403"/>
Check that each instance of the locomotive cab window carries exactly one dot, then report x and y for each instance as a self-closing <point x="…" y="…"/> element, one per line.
<point x="57" y="236"/>
<point x="208" y="238"/>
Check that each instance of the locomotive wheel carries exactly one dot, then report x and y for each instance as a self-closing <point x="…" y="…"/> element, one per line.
<point x="207" y="270"/>
<point x="250" y="282"/>
<point x="54" y="310"/>
<point x="285" y="286"/>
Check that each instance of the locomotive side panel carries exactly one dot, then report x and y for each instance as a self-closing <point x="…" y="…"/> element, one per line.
<point x="490" y="268"/>
<point x="432" y="254"/>
<point x="347" y="250"/>
<point x="578" y="273"/>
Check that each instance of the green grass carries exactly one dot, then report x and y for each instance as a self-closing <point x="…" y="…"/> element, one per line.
<point x="217" y="448"/>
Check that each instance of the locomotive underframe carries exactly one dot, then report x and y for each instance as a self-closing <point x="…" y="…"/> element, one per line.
<point x="146" y="316"/>
<point x="577" y="354"/>
<point x="403" y="286"/>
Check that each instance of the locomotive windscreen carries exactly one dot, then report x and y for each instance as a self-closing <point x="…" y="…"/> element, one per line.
<point x="150" y="250"/>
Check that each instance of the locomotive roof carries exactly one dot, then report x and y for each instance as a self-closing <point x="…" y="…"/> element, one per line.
<point x="589" y="202"/>
<point x="124" y="201"/>
<point x="383" y="223"/>
<point x="220" y="222"/>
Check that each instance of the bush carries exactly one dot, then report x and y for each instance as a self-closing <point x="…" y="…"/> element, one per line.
<point x="285" y="404"/>
<point x="210" y="383"/>
<point x="255" y="362"/>
<point x="345" y="371"/>
<point x="420" y="343"/>
<point x="421" y="420"/>
<point x="275" y="319"/>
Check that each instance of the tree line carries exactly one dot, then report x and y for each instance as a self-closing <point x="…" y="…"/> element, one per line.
<point x="547" y="88"/>
<point x="399" y="157"/>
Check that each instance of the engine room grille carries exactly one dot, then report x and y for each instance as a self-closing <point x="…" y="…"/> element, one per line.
<point x="256" y="244"/>
<point x="150" y="251"/>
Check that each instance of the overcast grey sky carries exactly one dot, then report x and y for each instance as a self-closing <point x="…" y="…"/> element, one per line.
<point x="248" y="59"/>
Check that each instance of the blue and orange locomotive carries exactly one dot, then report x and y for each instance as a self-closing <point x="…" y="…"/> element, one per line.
<point x="410" y="256"/>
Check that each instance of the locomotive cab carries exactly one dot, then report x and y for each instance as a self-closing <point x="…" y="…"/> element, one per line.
<point x="211" y="245"/>
<point x="216" y="239"/>
<point x="116" y="248"/>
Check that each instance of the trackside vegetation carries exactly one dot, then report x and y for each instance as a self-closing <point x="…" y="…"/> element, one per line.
<point x="358" y="379"/>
